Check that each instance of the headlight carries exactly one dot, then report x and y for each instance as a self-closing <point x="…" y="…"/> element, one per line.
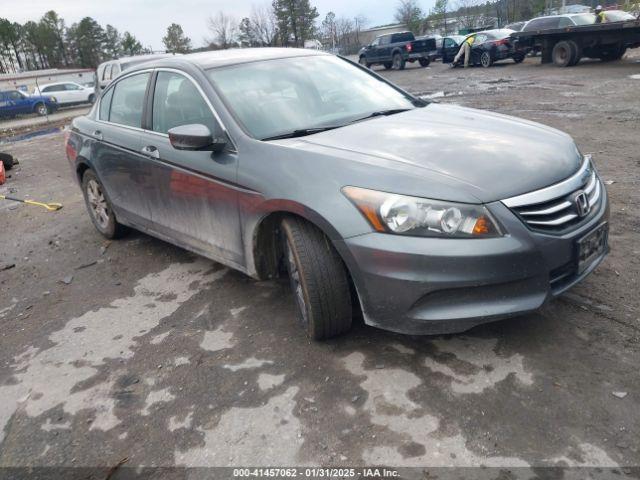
<point x="404" y="215"/>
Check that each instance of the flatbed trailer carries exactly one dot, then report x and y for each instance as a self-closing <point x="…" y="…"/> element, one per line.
<point x="566" y="46"/>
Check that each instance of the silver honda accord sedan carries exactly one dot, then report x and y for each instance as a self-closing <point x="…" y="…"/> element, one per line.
<point x="421" y="217"/>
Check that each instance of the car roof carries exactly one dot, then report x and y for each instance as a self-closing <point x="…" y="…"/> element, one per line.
<point x="234" y="56"/>
<point x="56" y="83"/>
<point x="148" y="56"/>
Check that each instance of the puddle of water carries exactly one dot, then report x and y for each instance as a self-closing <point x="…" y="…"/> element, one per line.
<point x="30" y="135"/>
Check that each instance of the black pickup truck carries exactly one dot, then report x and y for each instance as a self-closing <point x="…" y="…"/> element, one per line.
<point x="395" y="49"/>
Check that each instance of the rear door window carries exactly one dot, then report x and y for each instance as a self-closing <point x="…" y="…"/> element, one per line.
<point x="128" y="100"/>
<point x="386" y="40"/>
<point x="176" y="102"/>
<point x="403" y="37"/>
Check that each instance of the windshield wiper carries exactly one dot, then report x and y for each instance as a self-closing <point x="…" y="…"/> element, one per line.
<point x="381" y="113"/>
<point x="301" y="132"/>
<point x="310" y="131"/>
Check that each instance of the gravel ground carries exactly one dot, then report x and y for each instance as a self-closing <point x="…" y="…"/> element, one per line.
<point x="137" y="350"/>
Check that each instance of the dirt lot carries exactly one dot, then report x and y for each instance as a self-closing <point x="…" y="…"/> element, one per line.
<point x="138" y="350"/>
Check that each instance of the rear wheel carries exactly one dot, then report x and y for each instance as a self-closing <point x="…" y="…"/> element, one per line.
<point x="564" y="53"/>
<point x="424" y="62"/>
<point x="318" y="280"/>
<point x="616" y="54"/>
<point x="485" y="60"/>
<point x="99" y="207"/>
<point x="41" y="109"/>
<point x="398" y="62"/>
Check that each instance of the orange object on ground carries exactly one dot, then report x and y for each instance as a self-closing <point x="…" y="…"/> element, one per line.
<point x="3" y="176"/>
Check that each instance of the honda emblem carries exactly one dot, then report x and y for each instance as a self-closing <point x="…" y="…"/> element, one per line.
<point x="582" y="204"/>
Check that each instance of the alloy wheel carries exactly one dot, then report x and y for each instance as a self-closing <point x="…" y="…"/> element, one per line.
<point x="98" y="204"/>
<point x="296" y="285"/>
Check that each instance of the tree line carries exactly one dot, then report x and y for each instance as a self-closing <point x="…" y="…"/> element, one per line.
<point x="50" y="43"/>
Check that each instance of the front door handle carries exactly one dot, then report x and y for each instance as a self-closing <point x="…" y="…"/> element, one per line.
<point x="151" y="151"/>
<point x="97" y="135"/>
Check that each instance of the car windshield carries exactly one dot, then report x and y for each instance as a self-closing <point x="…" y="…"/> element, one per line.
<point x="499" y="34"/>
<point x="275" y="97"/>
<point x="618" y="16"/>
<point x="584" y="19"/>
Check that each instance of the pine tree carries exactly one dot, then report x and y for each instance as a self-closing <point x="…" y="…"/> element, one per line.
<point x="175" y="40"/>
<point x="296" y="20"/>
<point x="130" y="45"/>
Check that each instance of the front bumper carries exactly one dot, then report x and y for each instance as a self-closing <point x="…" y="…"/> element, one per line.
<point x="418" y="285"/>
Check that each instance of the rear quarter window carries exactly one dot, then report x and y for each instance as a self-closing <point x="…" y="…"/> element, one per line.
<point x="105" y="105"/>
<point x="403" y="37"/>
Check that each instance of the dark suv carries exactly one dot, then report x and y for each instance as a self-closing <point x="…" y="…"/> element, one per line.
<point x="395" y="49"/>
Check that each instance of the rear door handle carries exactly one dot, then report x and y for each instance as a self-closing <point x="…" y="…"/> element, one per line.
<point x="151" y="151"/>
<point x="97" y="135"/>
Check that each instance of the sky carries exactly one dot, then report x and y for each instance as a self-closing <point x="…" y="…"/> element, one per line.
<point x="149" y="19"/>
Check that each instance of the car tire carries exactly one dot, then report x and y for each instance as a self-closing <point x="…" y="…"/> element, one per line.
<point x="7" y="160"/>
<point x="424" y="62"/>
<point x="615" y="55"/>
<point x="398" y="62"/>
<point x="318" y="279"/>
<point x="92" y="99"/>
<point x="485" y="59"/>
<point x="564" y="53"/>
<point x="363" y="61"/>
<point x="41" y="109"/>
<point x="99" y="207"/>
<point x="518" y="58"/>
<point x="387" y="65"/>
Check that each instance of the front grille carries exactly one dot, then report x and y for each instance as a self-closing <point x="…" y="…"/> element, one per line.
<point x="555" y="209"/>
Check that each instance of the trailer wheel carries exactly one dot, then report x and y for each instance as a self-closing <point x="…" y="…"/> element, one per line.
<point x="518" y="57"/>
<point x="387" y="65"/>
<point x="424" y="62"/>
<point x="577" y="52"/>
<point x="563" y="53"/>
<point x="614" y="55"/>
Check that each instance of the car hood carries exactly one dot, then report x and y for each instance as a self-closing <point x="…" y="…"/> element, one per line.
<point x="491" y="156"/>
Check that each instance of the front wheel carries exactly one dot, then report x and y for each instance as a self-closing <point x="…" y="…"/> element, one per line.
<point x="318" y="279"/>
<point x="363" y="62"/>
<point x="424" y="62"/>
<point x="99" y="207"/>
<point x="41" y="109"/>
<point x="485" y="59"/>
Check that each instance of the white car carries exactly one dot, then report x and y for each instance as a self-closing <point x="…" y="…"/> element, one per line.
<point x="67" y="93"/>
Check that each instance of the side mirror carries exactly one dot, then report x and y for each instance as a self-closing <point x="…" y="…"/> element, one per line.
<point x="195" y="137"/>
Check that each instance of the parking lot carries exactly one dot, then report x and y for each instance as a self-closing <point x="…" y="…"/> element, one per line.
<point x="137" y="351"/>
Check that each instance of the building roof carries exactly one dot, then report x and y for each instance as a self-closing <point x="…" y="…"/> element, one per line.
<point x="50" y="72"/>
